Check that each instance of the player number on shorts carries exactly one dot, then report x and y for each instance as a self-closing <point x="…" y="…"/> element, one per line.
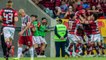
<point x="8" y="17"/>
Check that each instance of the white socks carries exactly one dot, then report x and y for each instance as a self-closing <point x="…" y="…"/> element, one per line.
<point x="31" y="50"/>
<point x="19" y="52"/>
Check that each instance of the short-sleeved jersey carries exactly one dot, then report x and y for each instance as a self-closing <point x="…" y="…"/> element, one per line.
<point x="35" y="24"/>
<point x="25" y="20"/>
<point x="94" y="27"/>
<point x="8" y="15"/>
<point x="42" y="29"/>
<point x="74" y="26"/>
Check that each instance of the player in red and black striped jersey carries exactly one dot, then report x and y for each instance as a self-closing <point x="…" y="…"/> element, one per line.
<point x="87" y="29"/>
<point x="73" y="36"/>
<point x="8" y="16"/>
<point x="96" y="36"/>
<point x="80" y="35"/>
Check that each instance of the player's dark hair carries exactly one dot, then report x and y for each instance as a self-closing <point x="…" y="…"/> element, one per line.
<point x="9" y="4"/>
<point x="34" y="16"/>
<point x="60" y="20"/>
<point x="72" y="15"/>
<point x="95" y="16"/>
<point x="9" y="1"/>
<point x="43" y="18"/>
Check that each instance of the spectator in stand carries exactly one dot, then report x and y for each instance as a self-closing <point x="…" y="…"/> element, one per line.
<point x="94" y="11"/>
<point x="69" y="12"/>
<point x="57" y="12"/>
<point x="85" y="5"/>
<point x="41" y="4"/>
<point x="49" y="12"/>
<point x="57" y="2"/>
<point x="66" y="1"/>
<point x="100" y="13"/>
<point x="64" y="8"/>
<point x="72" y="2"/>
<point x="78" y="5"/>
<point x="79" y="2"/>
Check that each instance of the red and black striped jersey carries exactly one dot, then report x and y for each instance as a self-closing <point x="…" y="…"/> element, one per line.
<point x="8" y="15"/>
<point x="94" y="27"/>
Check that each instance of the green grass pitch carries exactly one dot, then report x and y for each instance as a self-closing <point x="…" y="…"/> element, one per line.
<point x="77" y="58"/>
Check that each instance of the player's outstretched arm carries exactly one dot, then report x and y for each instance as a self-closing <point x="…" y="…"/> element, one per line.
<point x="16" y="17"/>
<point x="28" y="26"/>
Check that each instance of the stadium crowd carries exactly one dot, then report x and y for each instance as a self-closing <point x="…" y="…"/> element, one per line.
<point x="60" y="7"/>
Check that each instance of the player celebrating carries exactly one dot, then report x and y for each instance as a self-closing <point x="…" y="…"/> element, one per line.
<point x="87" y="30"/>
<point x="73" y="23"/>
<point x="96" y="37"/>
<point x="8" y="16"/>
<point x="43" y="30"/>
<point x="35" y="31"/>
<point x="25" y="34"/>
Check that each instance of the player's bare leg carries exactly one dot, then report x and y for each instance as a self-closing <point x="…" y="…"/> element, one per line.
<point x="37" y="49"/>
<point x="101" y="48"/>
<point x="12" y="51"/>
<point x="25" y="50"/>
<point x="97" y="48"/>
<point x="89" y="47"/>
<point x="42" y="49"/>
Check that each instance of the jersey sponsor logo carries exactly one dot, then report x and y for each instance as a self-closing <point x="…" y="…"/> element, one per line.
<point x="8" y="11"/>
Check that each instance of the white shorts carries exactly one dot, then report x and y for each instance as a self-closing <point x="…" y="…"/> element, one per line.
<point x="73" y="38"/>
<point x="95" y="37"/>
<point x="8" y="32"/>
<point x="42" y="39"/>
<point x="80" y="39"/>
<point x="36" y="40"/>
